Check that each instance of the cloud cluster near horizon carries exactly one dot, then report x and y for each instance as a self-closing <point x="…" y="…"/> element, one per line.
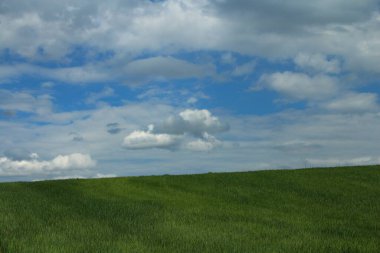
<point x="33" y="165"/>
<point x="175" y="132"/>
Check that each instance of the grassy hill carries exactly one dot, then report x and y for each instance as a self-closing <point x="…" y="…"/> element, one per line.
<point x="312" y="210"/>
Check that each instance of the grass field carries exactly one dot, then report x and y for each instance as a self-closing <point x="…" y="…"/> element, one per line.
<point x="312" y="210"/>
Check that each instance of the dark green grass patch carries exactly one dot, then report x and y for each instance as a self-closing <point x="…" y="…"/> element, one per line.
<point x="314" y="210"/>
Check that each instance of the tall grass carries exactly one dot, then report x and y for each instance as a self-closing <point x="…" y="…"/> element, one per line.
<point x="314" y="210"/>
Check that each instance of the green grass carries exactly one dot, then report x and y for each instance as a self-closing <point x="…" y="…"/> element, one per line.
<point x="313" y="210"/>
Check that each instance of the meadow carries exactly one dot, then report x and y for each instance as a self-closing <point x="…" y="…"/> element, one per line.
<point x="306" y="210"/>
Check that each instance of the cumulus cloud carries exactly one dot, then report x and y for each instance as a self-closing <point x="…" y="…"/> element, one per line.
<point x="194" y="122"/>
<point x="207" y="143"/>
<point x="174" y="132"/>
<point x="300" y="86"/>
<point x="147" y="139"/>
<point x="34" y="165"/>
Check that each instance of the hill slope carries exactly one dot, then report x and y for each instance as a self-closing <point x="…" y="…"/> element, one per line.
<point x="314" y="210"/>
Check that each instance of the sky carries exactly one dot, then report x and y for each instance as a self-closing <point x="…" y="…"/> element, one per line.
<point x="123" y="88"/>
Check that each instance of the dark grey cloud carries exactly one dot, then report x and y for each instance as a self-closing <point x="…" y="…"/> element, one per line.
<point x="115" y="124"/>
<point x="285" y="16"/>
<point x="8" y="113"/>
<point x="114" y="128"/>
<point x="76" y="137"/>
<point x="17" y="154"/>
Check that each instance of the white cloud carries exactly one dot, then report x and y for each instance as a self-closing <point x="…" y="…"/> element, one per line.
<point x="166" y="26"/>
<point x="353" y="103"/>
<point x="317" y="63"/>
<point x="77" y="161"/>
<point x="200" y="117"/>
<point x="253" y="142"/>
<point x="269" y="28"/>
<point x="64" y="177"/>
<point x="49" y="29"/>
<point x="192" y="121"/>
<point x="53" y="136"/>
<point x="207" y="143"/>
<point x="101" y="175"/>
<point x="334" y="162"/>
<point x="97" y="175"/>
<point x="175" y="132"/>
<point x="120" y="26"/>
<point x="146" y="140"/>
<point x="35" y="166"/>
<point x="301" y="86"/>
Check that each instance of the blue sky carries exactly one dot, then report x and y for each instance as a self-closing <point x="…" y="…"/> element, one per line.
<point x="117" y="88"/>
